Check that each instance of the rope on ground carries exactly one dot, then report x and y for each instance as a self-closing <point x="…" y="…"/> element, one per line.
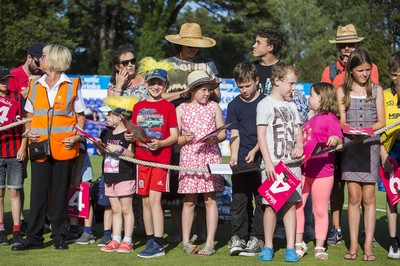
<point x="24" y="121"/>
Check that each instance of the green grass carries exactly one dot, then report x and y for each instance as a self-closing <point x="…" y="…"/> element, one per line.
<point x="91" y="254"/>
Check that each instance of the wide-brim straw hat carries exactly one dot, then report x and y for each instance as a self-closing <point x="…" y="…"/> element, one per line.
<point x="200" y="77"/>
<point x="191" y="35"/>
<point x="347" y="34"/>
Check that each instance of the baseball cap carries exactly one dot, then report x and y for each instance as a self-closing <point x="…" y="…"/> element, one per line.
<point x="157" y="73"/>
<point x="4" y="72"/>
<point x="36" y="50"/>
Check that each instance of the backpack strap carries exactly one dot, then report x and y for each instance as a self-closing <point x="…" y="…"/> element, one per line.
<point x="333" y="71"/>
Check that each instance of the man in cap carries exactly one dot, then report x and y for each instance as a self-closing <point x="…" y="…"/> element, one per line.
<point x="347" y="40"/>
<point x="28" y="70"/>
<point x="12" y="155"/>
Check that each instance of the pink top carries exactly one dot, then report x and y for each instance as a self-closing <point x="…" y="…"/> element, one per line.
<point x="318" y="129"/>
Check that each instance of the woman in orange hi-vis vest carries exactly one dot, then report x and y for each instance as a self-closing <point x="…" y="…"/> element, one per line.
<point x="54" y="102"/>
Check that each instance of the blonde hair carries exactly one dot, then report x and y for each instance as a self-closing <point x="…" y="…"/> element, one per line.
<point x="58" y="57"/>
<point x="328" y="102"/>
<point x="280" y="70"/>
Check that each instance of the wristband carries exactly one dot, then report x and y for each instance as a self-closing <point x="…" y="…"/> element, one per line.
<point x="122" y="150"/>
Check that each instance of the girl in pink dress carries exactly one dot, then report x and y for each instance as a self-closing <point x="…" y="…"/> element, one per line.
<point x="196" y="119"/>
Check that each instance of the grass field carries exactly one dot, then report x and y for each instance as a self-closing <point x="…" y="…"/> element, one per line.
<point x="91" y="254"/>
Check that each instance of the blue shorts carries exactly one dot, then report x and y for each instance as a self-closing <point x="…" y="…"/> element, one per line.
<point x="86" y="171"/>
<point x="11" y="169"/>
<point x="103" y="199"/>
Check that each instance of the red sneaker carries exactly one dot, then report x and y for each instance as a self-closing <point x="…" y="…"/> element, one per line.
<point x="110" y="247"/>
<point x="125" y="247"/>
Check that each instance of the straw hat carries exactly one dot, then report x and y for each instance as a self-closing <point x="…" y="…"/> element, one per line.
<point x="347" y="34"/>
<point x="200" y="77"/>
<point x="190" y="35"/>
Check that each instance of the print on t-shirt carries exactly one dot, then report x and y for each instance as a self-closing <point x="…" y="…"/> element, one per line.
<point x="151" y="122"/>
<point x="111" y="163"/>
<point x="266" y="88"/>
<point x="283" y="127"/>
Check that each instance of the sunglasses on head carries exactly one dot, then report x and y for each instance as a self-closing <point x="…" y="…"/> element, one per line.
<point x="126" y="62"/>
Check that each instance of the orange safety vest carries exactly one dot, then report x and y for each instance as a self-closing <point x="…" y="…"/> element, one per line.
<point x="64" y="118"/>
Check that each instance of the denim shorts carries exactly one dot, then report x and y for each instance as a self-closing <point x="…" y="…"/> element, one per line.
<point x="11" y="169"/>
<point x="103" y="199"/>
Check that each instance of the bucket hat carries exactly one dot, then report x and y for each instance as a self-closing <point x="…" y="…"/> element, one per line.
<point x="190" y="35"/>
<point x="347" y="34"/>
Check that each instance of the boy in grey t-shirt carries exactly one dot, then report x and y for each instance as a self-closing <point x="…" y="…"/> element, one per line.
<point x="280" y="137"/>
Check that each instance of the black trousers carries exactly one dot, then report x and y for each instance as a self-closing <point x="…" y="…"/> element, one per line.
<point x="243" y="221"/>
<point x="58" y="175"/>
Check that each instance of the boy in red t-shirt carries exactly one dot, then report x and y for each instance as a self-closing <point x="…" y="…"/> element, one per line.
<point x="158" y="118"/>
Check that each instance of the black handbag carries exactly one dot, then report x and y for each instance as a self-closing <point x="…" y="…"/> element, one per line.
<point x="38" y="150"/>
<point x="41" y="149"/>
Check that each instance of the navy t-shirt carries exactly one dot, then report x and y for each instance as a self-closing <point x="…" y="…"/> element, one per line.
<point x="243" y="115"/>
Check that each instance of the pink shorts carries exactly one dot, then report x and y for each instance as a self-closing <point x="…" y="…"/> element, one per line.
<point x="150" y="178"/>
<point x="124" y="188"/>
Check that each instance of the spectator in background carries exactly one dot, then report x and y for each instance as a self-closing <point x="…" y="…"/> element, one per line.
<point x="29" y="70"/>
<point x="22" y="74"/>
<point x="346" y="41"/>
<point x="92" y="113"/>
<point x="125" y="81"/>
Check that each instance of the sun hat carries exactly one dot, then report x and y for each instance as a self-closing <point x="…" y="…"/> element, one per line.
<point x="200" y="77"/>
<point x="347" y="34"/>
<point x="190" y="35"/>
<point x="4" y="73"/>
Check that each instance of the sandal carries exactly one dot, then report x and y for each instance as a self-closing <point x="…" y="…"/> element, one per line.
<point x="207" y="251"/>
<point x="320" y="255"/>
<point x="302" y="251"/>
<point x="370" y="257"/>
<point x="350" y="256"/>
<point x="189" y="248"/>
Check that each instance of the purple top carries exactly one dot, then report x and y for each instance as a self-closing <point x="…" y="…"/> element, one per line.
<point x="318" y="129"/>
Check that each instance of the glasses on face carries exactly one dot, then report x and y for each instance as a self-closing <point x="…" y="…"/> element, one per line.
<point x="126" y="62"/>
<point x="37" y="62"/>
<point x="349" y="45"/>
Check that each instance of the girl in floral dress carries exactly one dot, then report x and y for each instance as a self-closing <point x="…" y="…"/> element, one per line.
<point x="196" y="119"/>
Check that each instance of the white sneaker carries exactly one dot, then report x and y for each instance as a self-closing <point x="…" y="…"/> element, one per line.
<point x="280" y="233"/>
<point x="392" y="254"/>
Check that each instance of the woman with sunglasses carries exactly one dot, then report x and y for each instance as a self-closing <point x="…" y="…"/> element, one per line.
<point x="124" y="78"/>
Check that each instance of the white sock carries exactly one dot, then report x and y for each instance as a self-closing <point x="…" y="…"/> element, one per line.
<point x="117" y="238"/>
<point x="127" y="239"/>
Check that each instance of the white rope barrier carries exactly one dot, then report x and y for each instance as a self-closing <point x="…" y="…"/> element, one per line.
<point x="24" y="121"/>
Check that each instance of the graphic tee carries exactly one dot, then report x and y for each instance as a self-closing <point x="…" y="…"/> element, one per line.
<point x="156" y="118"/>
<point x="281" y="119"/>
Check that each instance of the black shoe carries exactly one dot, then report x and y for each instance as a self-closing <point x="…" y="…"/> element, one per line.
<point x="70" y="238"/>
<point x="23" y="227"/>
<point x="60" y="244"/>
<point x="17" y="239"/>
<point x="3" y="238"/>
<point x="26" y="245"/>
